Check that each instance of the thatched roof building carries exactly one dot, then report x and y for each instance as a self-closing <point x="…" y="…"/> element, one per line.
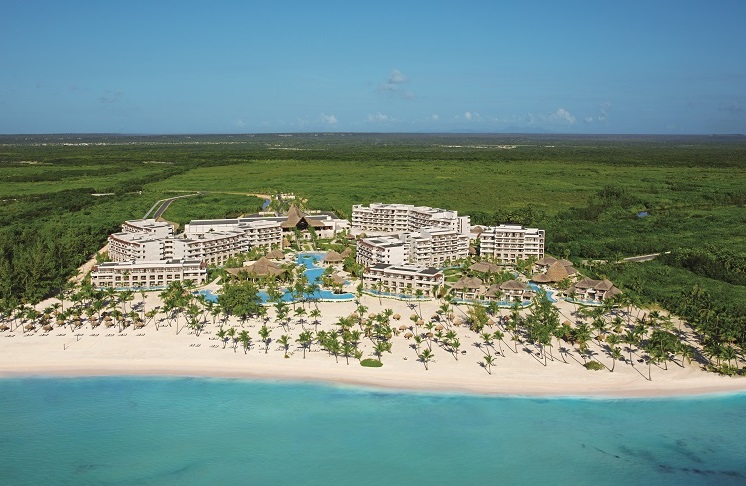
<point x="264" y="267"/>
<point x="556" y="273"/>
<point x="590" y="289"/>
<point x="485" y="267"/>
<point x="333" y="257"/>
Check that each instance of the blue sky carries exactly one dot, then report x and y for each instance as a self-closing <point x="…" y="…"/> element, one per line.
<point x="654" y="66"/>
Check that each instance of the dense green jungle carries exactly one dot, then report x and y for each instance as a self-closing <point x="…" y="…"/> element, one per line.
<point x="600" y="198"/>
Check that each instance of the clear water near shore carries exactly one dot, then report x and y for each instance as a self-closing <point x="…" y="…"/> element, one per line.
<point x="218" y="431"/>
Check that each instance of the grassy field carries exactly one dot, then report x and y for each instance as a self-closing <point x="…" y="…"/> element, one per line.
<point x="585" y="191"/>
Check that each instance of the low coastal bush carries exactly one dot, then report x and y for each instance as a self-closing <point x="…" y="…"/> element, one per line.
<point x="371" y="363"/>
<point x="594" y="365"/>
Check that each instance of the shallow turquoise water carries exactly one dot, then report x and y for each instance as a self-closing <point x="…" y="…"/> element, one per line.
<point x="215" y="431"/>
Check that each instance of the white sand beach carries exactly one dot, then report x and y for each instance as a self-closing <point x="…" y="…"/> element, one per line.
<point x="163" y="352"/>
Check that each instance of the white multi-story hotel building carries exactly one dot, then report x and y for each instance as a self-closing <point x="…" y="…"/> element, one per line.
<point x="158" y="229"/>
<point x="147" y="274"/>
<point x="381" y="249"/>
<point x="211" y="244"/>
<point x="429" y="247"/>
<point x="129" y="246"/>
<point x="511" y="243"/>
<point x="398" y="218"/>
<point x="402" y="279"/>
<point x="433" y="247"/>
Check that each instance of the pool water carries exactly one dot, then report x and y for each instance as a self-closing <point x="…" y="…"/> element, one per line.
<point x="313" y="273"/>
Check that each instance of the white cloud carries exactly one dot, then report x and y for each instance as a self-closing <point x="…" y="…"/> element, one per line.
<point x="392" y="86"/>
<point x="329" y="119"/>
<point x="239" y="123"/>
<point x="562" y="115"/>
<point x="397" y="77"/>
<point x="433" y="117"/>
<point x="472" y="116"/>
<point x="378" y="117"/>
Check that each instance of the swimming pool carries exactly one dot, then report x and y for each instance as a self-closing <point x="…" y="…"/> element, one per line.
<point x="313" y="273"/>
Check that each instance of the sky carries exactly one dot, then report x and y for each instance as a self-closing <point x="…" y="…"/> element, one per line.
<point x="171" y="67"/>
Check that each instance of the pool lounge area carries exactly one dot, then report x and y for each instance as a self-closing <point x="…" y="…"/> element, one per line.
<point x="312" y="272"/>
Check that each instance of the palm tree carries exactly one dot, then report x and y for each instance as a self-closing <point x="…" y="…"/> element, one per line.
<point x="245" y="340"/>
<point x="499" y="336"/>
<point x="264" y="333"/>
<point x="305" y="339"/>
<point x="381" y="347"/>
<point x="284" y="341"/>
<point x="489" y="360"/>
<point x="232" y="334"/>
<point x="426" y="356"/>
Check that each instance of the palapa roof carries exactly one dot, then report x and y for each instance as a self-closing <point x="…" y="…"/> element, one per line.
<point x="295" y="216"/>
<point x="346" y="252"/>
<point x="493" y="291"/>
<point x="468" y="283"/>
<point x="485" y="267"/>
<point x="264" y="267"/>
<point x="477" y="230"/>
<point x="276" y="254"/>
<point x="604" y="286"/>
<point x="513" y="285"/>
<point x="333" y="257"/>
<point x="555" y="273"/>
<point x="546" y="261"/>
<point x="337" y="278"/>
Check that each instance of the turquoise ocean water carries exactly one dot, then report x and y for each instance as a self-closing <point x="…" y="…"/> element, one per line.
<point x="217" y="431"/>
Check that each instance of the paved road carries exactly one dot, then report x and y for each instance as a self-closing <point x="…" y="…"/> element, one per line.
<point x="643" y="258"/>
<point x="165" y="203"/>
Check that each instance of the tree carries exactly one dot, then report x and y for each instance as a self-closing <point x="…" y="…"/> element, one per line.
<point x="284" y="341"/>
<point x="245" y="340"/>
<point x="489" y="361"/>
<point x="426" y="356"/>
<point x="264" y="333"/>
<point x="305" y="339"/>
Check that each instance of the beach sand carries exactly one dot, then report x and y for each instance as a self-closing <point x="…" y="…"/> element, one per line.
<point x="163" y="352"/>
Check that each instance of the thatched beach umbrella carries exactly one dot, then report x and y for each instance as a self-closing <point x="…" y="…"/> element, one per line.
<point x="4" y="327"/>
<point x="47" y="327"/>
<point x="396" y="316"/>
<point x="403" y="327"/>
<point x="439" y="327"/>
<point x="408" y="335"/>
<point x="420" y="322"/>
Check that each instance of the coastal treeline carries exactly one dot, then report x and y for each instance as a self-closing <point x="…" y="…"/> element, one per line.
<point x="599" y="198"/>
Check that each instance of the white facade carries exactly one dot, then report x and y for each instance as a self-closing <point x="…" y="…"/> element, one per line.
<point x="331" y="225"/>
<point x="402" y="279"/>
<point x="381" y="249"/>
<point x="128" y="246"/>
<point x="433" y="247"/>
<point x="149" y="274"/>
<point x="398" y="218"/>
<point x="212" y="243"/>
<point x="159" y="229"/>
<point x="510" y="243"/>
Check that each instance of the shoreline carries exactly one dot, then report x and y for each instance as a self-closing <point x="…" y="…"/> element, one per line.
<point x="402" y="385"/>
<point x="518" y="372"/>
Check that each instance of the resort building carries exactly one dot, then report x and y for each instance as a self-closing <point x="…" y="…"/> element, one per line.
<point x="211" y="243"/>
<point x="593" y="290"/>
<point x="510" y="243"/>
<point x="158" y="229"/>
<point x="382" y="249"/>
<point x="325" y="224"/>
<point x="129" y="246"/>
<point x="433" y="247"/>
<point x="400" y="218"/>
<point x="430" y="247"/>
<point x="402" y="279"/>
<point x="154" y="274"/>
